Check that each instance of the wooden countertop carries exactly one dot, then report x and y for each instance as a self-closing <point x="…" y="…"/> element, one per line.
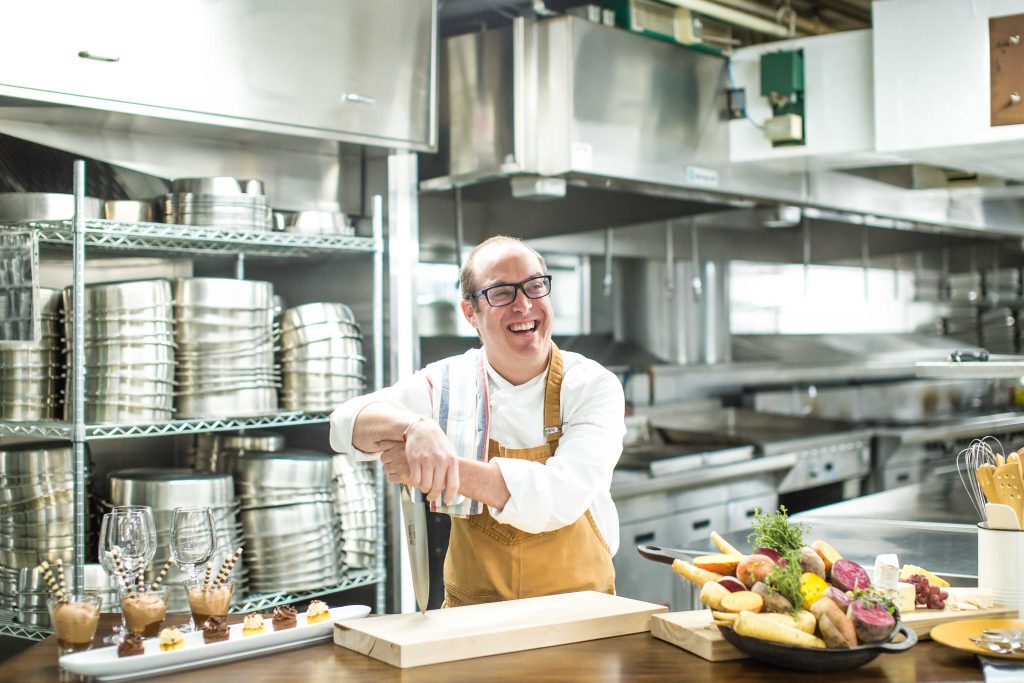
<point x="638" y="657"/>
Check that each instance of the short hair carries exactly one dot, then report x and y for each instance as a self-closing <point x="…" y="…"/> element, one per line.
<point x="468" y="274"/>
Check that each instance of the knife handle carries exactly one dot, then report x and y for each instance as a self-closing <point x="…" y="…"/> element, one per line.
<point x="663" y="555"/>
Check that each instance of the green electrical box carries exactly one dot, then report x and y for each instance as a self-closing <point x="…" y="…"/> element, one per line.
<point x="782" y="82"/>
<point x="782" y="72"/>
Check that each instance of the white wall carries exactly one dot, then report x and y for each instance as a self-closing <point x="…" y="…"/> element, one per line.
<point x="931" y="64"/>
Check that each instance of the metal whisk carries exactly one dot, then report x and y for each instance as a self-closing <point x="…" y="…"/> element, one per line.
<point x="978" y="453"/>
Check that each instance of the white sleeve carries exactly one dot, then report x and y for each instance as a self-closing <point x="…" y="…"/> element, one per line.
<point x="412" y="393"/>
<point x="545" y="497"/>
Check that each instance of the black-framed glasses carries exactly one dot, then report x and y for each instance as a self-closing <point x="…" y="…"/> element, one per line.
<point x="536" y="287"/>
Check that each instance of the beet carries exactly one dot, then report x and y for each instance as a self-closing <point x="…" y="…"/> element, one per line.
<point x="847" y="575"/>
<point x="775" y="555"/>
<point x="733" y="584"/>
<point x="837" y="596"/>
<point x="873" y="623"/>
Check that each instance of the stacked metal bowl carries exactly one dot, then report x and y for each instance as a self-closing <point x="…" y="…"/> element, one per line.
<point x="355" y="504"/>
<point x="36" y="517"/>
<point x="166" y="489"/>
<point x="292" y="536"/>
<point x="322" y="357"/>
<point x="129" y="351"/>
<point x="217" y="452"/>
<point x="32" y="375"/>
<point x="225" y="333"/>
<point x="219" y="202"/>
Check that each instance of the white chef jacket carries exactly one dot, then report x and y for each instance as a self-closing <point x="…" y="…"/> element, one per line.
<point x="544" y="497"/>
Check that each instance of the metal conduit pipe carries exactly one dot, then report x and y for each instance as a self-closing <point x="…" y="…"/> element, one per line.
<point x="809" y="26"/>
<point x="733" y="16"/>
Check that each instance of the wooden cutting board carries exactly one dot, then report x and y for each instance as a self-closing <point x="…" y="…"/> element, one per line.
<point x="694" y="632"/>
<point x="446" y="635"/>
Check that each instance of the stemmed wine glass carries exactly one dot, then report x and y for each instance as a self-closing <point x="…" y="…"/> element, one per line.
<point x="147" y="514"/>
<point x="131" y="536"/>
<point x="192" y="542"/>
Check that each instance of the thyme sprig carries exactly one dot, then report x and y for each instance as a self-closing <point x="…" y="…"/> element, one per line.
<point x="773" y="530"/>
<point x="875" y="598"/>
<point x="785" y="579"/>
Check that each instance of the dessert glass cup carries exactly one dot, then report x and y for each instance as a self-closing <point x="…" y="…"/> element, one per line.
<point x="144" y="612"/>
<point x="74" y="622"/>
<point x="205" y="601"/>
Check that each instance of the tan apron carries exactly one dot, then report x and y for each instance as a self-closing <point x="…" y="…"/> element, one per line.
<point x="488" y="561"/>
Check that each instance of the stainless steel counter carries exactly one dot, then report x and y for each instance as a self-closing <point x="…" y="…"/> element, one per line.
<point x="939" y="499"/>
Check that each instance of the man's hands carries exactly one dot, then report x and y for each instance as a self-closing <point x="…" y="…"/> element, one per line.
<point x="426" y="460"/>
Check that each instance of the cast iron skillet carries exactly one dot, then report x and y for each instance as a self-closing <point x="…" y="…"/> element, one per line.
<point x="792" y="656"/>
<point x="816" y="659"/>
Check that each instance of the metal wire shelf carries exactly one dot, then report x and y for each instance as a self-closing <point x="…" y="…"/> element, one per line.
<point x="196" y="239"/>
<point x="355" y="579"/>
<point x="63" y="430"/>
<point x="10" y="627"/>
<point x="254" y="603"/>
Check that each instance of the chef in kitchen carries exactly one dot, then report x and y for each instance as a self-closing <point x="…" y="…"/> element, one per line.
<point x="516" y="440"/>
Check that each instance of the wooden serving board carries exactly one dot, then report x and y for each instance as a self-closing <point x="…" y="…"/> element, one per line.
<point x="446" y="635"/>
<point x="694" y="632"/>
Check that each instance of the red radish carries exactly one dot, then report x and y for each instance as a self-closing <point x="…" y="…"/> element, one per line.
<point x="733" y="584"/>
<point x="775" y="555"/>
<point x="847" y="575"/>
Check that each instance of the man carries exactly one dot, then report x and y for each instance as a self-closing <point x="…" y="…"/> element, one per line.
<point x="530" y="432"/>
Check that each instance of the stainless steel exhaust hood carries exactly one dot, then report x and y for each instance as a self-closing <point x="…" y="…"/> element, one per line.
<point x="636" y="126"/>
<point x="601" y="109"/>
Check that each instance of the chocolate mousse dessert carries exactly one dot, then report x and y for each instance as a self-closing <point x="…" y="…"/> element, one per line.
<point x="284" y="617"/>
<point x="75" y="624"/>
<point x="130" y="646"/>
<point x="209" y="601"/>
<point x="215" y="629"/>
<point x="144" y="612"/>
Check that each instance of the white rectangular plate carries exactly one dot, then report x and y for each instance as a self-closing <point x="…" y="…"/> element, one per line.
<point x="105" y="665"/>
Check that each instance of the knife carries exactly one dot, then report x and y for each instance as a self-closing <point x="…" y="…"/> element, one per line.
<point x="416" y="541"/>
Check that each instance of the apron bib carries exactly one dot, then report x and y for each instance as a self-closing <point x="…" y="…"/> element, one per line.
<point x="488" y="561"/>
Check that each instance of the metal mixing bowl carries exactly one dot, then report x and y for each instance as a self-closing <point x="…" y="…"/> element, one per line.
<point x="44" y="206"/>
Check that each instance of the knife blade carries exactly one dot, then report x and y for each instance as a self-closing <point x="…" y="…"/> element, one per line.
<point x="415" y="518"/>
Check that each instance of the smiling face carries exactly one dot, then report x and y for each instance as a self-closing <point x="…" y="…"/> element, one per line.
<point x="517" y="337"/>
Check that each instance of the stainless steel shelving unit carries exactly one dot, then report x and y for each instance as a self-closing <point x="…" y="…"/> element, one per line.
<point x="63" y="430"/>
<point x="187" y="239"/>
<point x="191" y="239"/>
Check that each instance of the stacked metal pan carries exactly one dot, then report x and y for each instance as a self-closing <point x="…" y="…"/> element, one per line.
<point x="225" y="334"/>
<point x="355" y="504"/>
<point x="165" y="489"/>
<point x="35" y="522"/>
<point x="322" y="357"/>
<point x="293" y="538"/>
<point x="129" y="351"/>
<point x="217" y="452"/>
<point x="32" y="376"/>
<point x="222" y="202"/>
